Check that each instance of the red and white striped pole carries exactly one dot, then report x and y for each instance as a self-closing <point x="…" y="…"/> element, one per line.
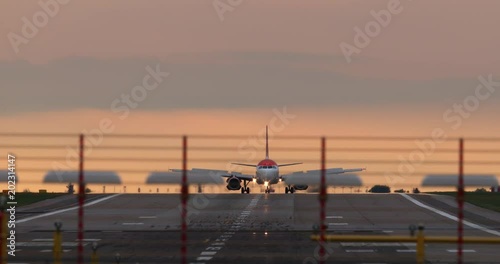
<point x="322" y="200"/>
<point x="81" y="199"/>
<point x="460" y="201"/>
<point x="184" y="198"/>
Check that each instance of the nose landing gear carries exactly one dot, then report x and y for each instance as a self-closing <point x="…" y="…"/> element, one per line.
<point x="289" y="189"/>
<point x="269" y="189"/>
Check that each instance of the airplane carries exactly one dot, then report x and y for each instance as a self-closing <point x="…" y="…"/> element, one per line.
<point x="267" y="173"/>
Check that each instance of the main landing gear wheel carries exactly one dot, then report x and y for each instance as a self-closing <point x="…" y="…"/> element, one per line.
<point x="245" y="190"/>
<point x="287" y="190"/>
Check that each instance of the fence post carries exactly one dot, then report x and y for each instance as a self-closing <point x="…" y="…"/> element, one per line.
<point x="81" y="200"/>
<point x="322" y="200"/>
<point x="460" y="201"/>
<point x="184" y="198"/>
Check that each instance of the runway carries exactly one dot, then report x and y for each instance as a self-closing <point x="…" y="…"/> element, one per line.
<point x="255" y="228"/>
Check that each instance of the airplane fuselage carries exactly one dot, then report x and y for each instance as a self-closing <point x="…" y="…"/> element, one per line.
<point x="267" y="172"/>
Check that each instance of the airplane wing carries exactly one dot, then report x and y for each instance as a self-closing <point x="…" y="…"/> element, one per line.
<point x="334" y="176"/>
<point x="244" y="164"/>
<point x="194" y="176"/>
<point x="225" y="174"/>
<point x="245" y="177"/>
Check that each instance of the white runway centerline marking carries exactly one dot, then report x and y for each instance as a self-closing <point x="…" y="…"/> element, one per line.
<point x="220" y="242"/>
<point x="338" y="224"/>
<point x="470" y="224"/>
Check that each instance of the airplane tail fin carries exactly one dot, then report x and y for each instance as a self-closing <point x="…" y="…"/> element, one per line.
<point x="267" y="143"/>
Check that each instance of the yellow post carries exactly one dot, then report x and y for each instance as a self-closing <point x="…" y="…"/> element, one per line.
<point x="57" y="250"/>
<point x="420" y="245"/>
<point x="94" y="259"/>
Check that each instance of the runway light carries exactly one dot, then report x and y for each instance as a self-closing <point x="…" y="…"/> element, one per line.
<point x="265" y="233"/>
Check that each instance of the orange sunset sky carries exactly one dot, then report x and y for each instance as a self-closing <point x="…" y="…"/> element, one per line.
<point x="225" y="68"/>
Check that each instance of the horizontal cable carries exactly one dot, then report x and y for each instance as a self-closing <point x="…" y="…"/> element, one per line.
<point x="336" y="161"/>
<point x="364" y="173"/>
<point x="274" y="149"/>
<point x="296" y="137"/>
<point x="55" y="135"/>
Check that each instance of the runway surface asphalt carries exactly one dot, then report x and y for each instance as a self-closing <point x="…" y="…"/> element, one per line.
<point x="249" y="228"/>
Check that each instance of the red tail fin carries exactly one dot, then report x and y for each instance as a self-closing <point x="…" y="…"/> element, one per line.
<point x="267" y="144"/>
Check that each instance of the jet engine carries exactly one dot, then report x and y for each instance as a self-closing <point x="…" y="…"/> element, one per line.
<point x="233" y="184"/>
<point x="300" y="187"/>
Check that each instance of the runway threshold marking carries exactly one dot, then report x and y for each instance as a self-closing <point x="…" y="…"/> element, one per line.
<point x="67" y="209"/>
<point x="220" y="242"/>
<point x="449" y="216"/>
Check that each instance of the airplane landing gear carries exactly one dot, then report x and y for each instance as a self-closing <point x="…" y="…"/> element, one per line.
<point x="289" y="189"/>
<point x="245" y="188"/>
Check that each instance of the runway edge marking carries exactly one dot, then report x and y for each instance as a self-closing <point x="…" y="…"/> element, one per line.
<point x="449" y="216"/>
<point x="67" y="209"/>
